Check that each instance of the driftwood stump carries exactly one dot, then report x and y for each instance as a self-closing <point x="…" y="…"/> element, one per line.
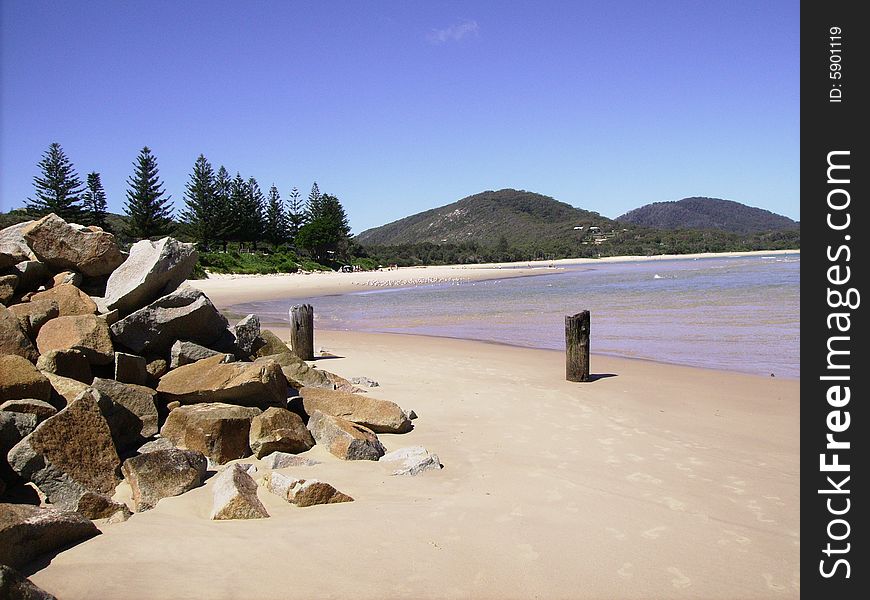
<point x="302" y="331"/>
<point x="577" y="346"/>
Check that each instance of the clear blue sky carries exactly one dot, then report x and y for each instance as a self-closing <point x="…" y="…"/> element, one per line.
<point x="401" y="106"/>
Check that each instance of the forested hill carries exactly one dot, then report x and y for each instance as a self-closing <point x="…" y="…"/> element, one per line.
<point x="523" y="218"/>
<point x="707" y="213"/>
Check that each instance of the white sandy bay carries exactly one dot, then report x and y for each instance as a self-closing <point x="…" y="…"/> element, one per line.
<point x="658" y="481"/>
<point x="226" y="290"/>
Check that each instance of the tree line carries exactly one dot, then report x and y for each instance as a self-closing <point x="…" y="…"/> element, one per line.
<point x="218" y="209"/>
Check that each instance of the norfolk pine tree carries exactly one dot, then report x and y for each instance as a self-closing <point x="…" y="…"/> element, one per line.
<point x="149" y="212"/>
<point x="198" y="215"/>
<point x="59" y="188"/>
<point x="226" y="221"/>
<point x="94" y="202"/>
<point x="275" y="230"/>
<point x="296" y="216"/>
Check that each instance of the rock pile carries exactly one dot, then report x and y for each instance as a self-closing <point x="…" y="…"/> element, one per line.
<point x="151" y="372"/>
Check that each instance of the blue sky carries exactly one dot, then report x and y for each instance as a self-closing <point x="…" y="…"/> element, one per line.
<point x="401" y="106"/>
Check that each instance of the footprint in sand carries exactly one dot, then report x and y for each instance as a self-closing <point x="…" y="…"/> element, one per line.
<point x="757" y="511"/>
<point x="734" y="537"/>
<point x="635" y="457"/>
<point x="615" y="533"/>
<point x="612" y="460"/>
<point x="654" y="533"/>
<point x="771" y="584"/>
<point x="679" y="581"/>
<point x="639" y="477"/>
<point x="527" y="552"/>
<point x="606" y="441"/>
<point x="673" y="503"/>
<point x="625" y="571"/>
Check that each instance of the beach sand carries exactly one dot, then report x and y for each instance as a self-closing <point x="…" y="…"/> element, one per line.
<point x="654" y="481"/>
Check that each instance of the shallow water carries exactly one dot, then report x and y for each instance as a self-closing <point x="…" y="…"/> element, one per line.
<point x="737" y="314"/>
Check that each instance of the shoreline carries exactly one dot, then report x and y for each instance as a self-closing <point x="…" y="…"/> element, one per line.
<point x="225" y="290"/>
<point x="614" y="488"/>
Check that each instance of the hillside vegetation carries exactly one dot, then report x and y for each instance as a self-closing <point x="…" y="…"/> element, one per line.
<point x="707" y="213"/>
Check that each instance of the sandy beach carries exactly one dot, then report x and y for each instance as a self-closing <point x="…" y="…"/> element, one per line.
<point x="655" y="481"/>
<point x="226" y="290"/>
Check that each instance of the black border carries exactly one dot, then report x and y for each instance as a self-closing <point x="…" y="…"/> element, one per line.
<point x="831" y="126"/>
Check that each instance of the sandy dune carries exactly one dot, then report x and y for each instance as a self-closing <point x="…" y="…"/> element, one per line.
<point x="655" y="481"/>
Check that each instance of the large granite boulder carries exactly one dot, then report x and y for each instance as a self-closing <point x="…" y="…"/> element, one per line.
<point x="184" y="352"/>
<point x="26" y="532"/>
<point x="411" y="460"/>
<point x="69" y="454"/>
<point x="13" y="247"/>
<point x="88" y="333"/>
<point x="344" y="439"/>
<point x="34" y="314"/>
<point x="282" y="460"/>
<point x="72" y="363"/>
<point x="70" y="300"/>
<point x="381" y="416"/>
<point x="303" y="492"/>
<point x="210" y="380"/>
<point x="13" y="339"/>
<point x="15" y="586"/>
<point x="268" y="343"/>
<point x="131" y="368"/>
<point x="100" y="506"/>
<point x="279" y="430"/>
<point x="8" y="285"/>
<point x="31" y="406"/>
<point x="20" y="379"/>
<point x="90" y="251"/>
<point x="129" y="409"/>
<point x="220" y="431"/>
<point x="186" y="314"/>
<point x="246" y="332"/>
<point x="153" y="269"/>
<point x="297" y="372"/>
<point x="14" y="427"/>
<point x="64" y="389"/>
<point x="162" y="474"/>
<point x="235" y="495"/>
<point x="31" y="275"/>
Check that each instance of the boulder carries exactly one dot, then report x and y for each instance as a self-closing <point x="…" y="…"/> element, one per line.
<point x="156" y="368"/>
<point x="62" y="246"/>
<point x="412" y="460"/>
<point x="30" y="406"/>
<point x="154" y="445"/>
<point x="153" y="269"/>
<point x="8" y="284"/>
<point x="303" y="492"/>
<point x="246" y="333"/>
<point x="381" y="416"/>
<point x="31" y="275"/>
<point x="345" y="439"/>
<point x="186" y="314"/>
<point x="70" y="363"/>
<point x="63" y="389"/>
<point x="100" y="506"/>
<point x="34" y="314"/>
<point x="210" y="380"/>
<point x="14" y="427"/>
<point x="70" y="277"/>
<point x="15" y="586"/>
<point x="220" y="431"/>
<point x="279" y="430"/>
<point x="163" y="473"/>
<point x="281" y="460"/>
<point x="27" y="531"/>
<point x="87" y="333"/>
<point x="184" y="352"/>
<point x="129" y="409"/>
<point x="364" y="382"/>
<point x="70" y="300"/>
<point x="268" y="343"/>
<point x="20" y="379"/>
<point x="13" y="247"/>
<point x="69" y="454"/>
<point x="131" y="368"/>
<point x="13" y="339"/>
<point x="297" y="372"/>
<point x="235" y="496"/>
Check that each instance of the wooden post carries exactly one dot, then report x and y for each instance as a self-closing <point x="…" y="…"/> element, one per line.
<point x="302" y="331"/>
<point x="577" y="346"/>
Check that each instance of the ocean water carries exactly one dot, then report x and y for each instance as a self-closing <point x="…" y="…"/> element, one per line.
<point x="736" y="314"/>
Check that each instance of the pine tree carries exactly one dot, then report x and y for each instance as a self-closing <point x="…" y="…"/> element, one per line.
<point x="327" y="235"/>
<point x="312" y="206"/>
<point x="199" y="215"/>
<point x="275" y="230"/>
<point x="149" y="211"/>
<point x="94" y="201"/>
<point x="225" y="219"/>
<point x="253" y="216"/>
<point x="296" y="216"/>
<point x="59" y="188"/>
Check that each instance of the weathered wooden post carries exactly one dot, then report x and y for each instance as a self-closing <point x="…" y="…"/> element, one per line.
<point x="577" y="346"/>
<point x="302" y="331"/>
